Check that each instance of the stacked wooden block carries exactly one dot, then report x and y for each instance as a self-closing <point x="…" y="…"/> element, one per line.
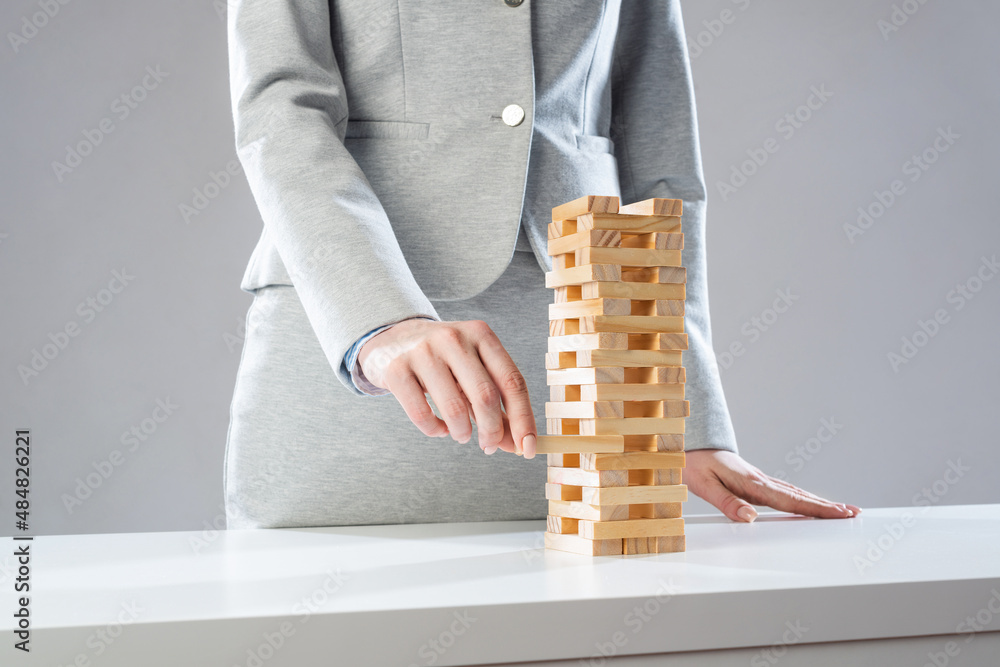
<point x="615" y="416"/>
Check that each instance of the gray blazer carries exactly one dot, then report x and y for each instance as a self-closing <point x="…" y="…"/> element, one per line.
<point x="372" y="136"/>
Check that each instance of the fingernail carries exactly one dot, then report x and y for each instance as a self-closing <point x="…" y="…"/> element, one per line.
<point x="490" y="450"/>
<point x="528" y="445"/>
<point x="747" y="513"/>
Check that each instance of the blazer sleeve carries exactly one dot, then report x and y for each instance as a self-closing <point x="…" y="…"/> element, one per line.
<point x="329" y="228"/>
<point x="655" y="131"/>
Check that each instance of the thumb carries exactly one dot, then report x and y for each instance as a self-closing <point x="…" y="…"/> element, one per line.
<point x="735" y="508"/>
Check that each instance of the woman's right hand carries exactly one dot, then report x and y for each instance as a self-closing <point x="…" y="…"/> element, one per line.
<point x="466" y="370"/>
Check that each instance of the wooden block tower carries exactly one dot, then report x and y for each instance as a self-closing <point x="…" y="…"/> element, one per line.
<point x="615" y="416"/>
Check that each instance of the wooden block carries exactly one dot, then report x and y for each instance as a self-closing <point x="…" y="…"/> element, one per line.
<point x="659" y="240"/>
<point x="654" y="274"/>
<point x="657" y="307"/>
<point x="631" y="461"/>
<point x="656" y="206"/>
<point x="588" y="341"/>
<point x="589" y="307"/>
<point x="584" y="409"/>
<point x="564" y="460"/>
<point x="626" y="495"/>
<point x="561" y="427"/>
<point x="579" y="545"/>
<point x="579" y="477"/>
<point x="672" y="442"/>
<point x="626" y="358"/>
<point x="652" y="408"/>
<point x="630" y="323"/>
<point x="657" y="341"/>
<point x="629" y="223"/>
<point x="629" y="392"/>
<point x="577" y="275"/>
<point x="561" y="525"/>
<point x="587" y="204"/>
<point x="656" y="477"/>
<point x="604" y="530"/>
<point x="605" y="375"/>
<point x="655" y="511"/>
<point x="631" y="426"/>
<point x="632" y="546"/>
<point x="559" y="228"/>
<point x="628" y="256"/>
<point x="562" y="491"/>
<point x="588" y="237"/>
<point x="672" y="544"/>
<point x="570" y="444"/>
<point x="622" y="290"/>
<point x="577" y="510"/>
<point x="563" y="262"/>
<point x="660" y="374"/>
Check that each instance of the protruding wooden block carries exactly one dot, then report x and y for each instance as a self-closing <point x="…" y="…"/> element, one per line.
<point x="631" y="461"/>
<point x="625" y="495"/>
<point x="656" y="206"/>
<point x="579" y="510"/>
<point x="587" y="204"/>
<point x="622" y="290"/>
<point x="601" y="530"/>
<point x="580" y="545"/>
<point x="629" y="223"/>
<point x="631" y="426"/>
<point x="628" y="256"/>
<point x="590" y="323"/>
<point x="580" y="477"/>
<point x="568" y="444"/>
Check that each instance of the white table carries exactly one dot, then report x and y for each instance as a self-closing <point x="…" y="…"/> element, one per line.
<point x="458" y="594"/>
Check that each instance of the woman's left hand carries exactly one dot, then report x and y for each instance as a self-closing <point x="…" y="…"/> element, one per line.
<point x="733" y="485"/>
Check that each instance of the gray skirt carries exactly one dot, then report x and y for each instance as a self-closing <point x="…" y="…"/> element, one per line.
<point x="304" y="451"/>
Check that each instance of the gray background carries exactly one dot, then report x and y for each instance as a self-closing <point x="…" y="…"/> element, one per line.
<point x="174" y="332"/>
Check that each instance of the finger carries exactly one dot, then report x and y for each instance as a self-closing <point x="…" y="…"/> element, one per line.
<point x="734" y="507"/>
<point x="513" y="390"/>
<point x="506" y="443"/>
<point x="480" y="391"/>
<point x="789" y="498"/>
<point x="410" y="394"/>
<point x="449" y="399"/>
<point x="854" y="510"/>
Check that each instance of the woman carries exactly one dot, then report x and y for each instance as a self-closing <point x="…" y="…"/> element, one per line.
<point x="405" y="157"/>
